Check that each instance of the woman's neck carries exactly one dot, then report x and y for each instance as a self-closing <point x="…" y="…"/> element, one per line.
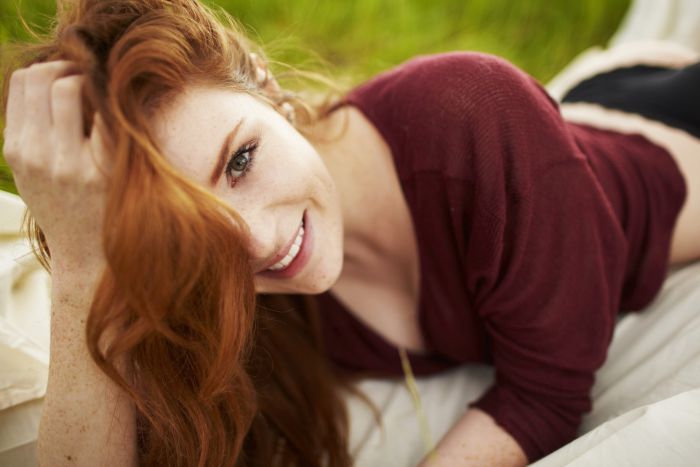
<point x="362" y="167"/>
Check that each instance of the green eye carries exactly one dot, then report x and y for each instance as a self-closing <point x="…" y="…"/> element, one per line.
<point x="240" y="163"/>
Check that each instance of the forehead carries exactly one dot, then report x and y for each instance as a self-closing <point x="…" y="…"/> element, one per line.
<point x="192" y="128"/>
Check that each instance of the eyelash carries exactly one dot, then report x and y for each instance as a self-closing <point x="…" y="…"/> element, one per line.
<point x="246" y="148"/>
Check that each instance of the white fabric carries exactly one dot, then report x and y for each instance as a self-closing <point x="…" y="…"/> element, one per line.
<point x="19" y="426"/>
<point x="24" y="338"/>
<point x="24" y="305"/>
<point x="655" y="355"/>
<point x="660" y="434"/>
<point x="667" y="20"/>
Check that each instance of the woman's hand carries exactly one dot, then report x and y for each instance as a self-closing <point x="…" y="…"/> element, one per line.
<point x="54" y="163"/>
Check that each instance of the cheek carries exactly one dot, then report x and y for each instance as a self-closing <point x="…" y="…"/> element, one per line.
<point x="287" y="161"/>
<point x="330" y="244"/>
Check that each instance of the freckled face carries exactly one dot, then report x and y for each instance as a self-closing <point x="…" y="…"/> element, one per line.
<point x="269" y="173"/>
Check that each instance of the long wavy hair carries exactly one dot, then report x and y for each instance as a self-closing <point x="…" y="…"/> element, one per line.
<point x="218" y="375"/>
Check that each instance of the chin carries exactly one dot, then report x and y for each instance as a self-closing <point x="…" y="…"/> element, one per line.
<point x="320" y="280"/>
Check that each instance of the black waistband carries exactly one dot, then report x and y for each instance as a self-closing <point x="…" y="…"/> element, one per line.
<point x="669" y="95"/>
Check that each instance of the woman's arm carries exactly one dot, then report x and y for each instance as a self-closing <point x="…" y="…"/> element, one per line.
<point x="476" y="440"/>
<point x="86" y="419"/>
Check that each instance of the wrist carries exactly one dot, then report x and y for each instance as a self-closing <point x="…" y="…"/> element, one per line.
<point x="88" y="263"/>
<point x="75" y="279"/>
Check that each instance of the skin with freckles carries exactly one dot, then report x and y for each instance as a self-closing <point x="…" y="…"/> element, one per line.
<point x="342" y="175"/>
<point x="270" y="186"/>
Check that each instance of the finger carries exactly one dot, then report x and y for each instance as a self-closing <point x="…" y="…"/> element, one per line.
<point x="37" y="93"/>
<point x="67" y="112"/>
<point x="99" y="147"/>
<point x="13" y="115"/>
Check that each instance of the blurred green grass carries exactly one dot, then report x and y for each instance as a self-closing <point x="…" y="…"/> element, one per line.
<point x="356" y="39"/>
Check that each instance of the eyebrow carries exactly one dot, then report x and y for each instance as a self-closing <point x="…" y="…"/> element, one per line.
<point x="223" y="152"/>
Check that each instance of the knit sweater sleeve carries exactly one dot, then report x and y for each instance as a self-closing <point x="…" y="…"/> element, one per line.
<point x="549" y="307"/>
<point x="555" y="263"/>
<point x="545" y="253"/>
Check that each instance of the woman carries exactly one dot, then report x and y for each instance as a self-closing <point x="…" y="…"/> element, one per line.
<point x="444" y="207"/>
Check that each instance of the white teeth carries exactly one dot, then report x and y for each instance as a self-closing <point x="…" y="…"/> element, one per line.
<point x="297" y="241"/>
<point x="293" y="251"/>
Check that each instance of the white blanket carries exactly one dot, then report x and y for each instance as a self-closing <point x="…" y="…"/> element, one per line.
<point x="646" y="401"/>
<point x="24" y="338"/>
<point x="654" y="359"/>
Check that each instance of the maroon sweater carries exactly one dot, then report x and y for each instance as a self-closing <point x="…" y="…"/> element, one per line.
<point x="532" y="234"/>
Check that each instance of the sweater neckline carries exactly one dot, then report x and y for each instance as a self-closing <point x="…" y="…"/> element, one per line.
<point x="379" y="340"/>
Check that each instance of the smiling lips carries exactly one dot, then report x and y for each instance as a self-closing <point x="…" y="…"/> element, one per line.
<point x="292" y="253"/>
<point x="293" y="258"/>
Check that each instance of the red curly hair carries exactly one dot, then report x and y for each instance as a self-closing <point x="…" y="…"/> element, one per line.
<point x="218" y="376"/>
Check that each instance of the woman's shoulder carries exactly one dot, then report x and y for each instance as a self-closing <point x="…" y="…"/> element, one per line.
<point x="450" y="91"/>
<point x="435" y="110"/>
<point x="437" y="67"/>
<point x="458" y="80"/>
<point x="456" y="64"/>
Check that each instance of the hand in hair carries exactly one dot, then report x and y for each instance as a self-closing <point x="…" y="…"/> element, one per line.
<point x="86" y="418"/>
<point x="54" y="163"/>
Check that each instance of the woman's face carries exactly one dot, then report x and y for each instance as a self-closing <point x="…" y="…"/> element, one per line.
<point x="246" y="153"/>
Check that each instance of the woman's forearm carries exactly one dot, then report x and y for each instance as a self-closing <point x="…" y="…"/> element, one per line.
<point x="86" y="419"/>
<point x="476" y="440"/>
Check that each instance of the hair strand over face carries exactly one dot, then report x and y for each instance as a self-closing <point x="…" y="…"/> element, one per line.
<point x="218" y="376"/>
